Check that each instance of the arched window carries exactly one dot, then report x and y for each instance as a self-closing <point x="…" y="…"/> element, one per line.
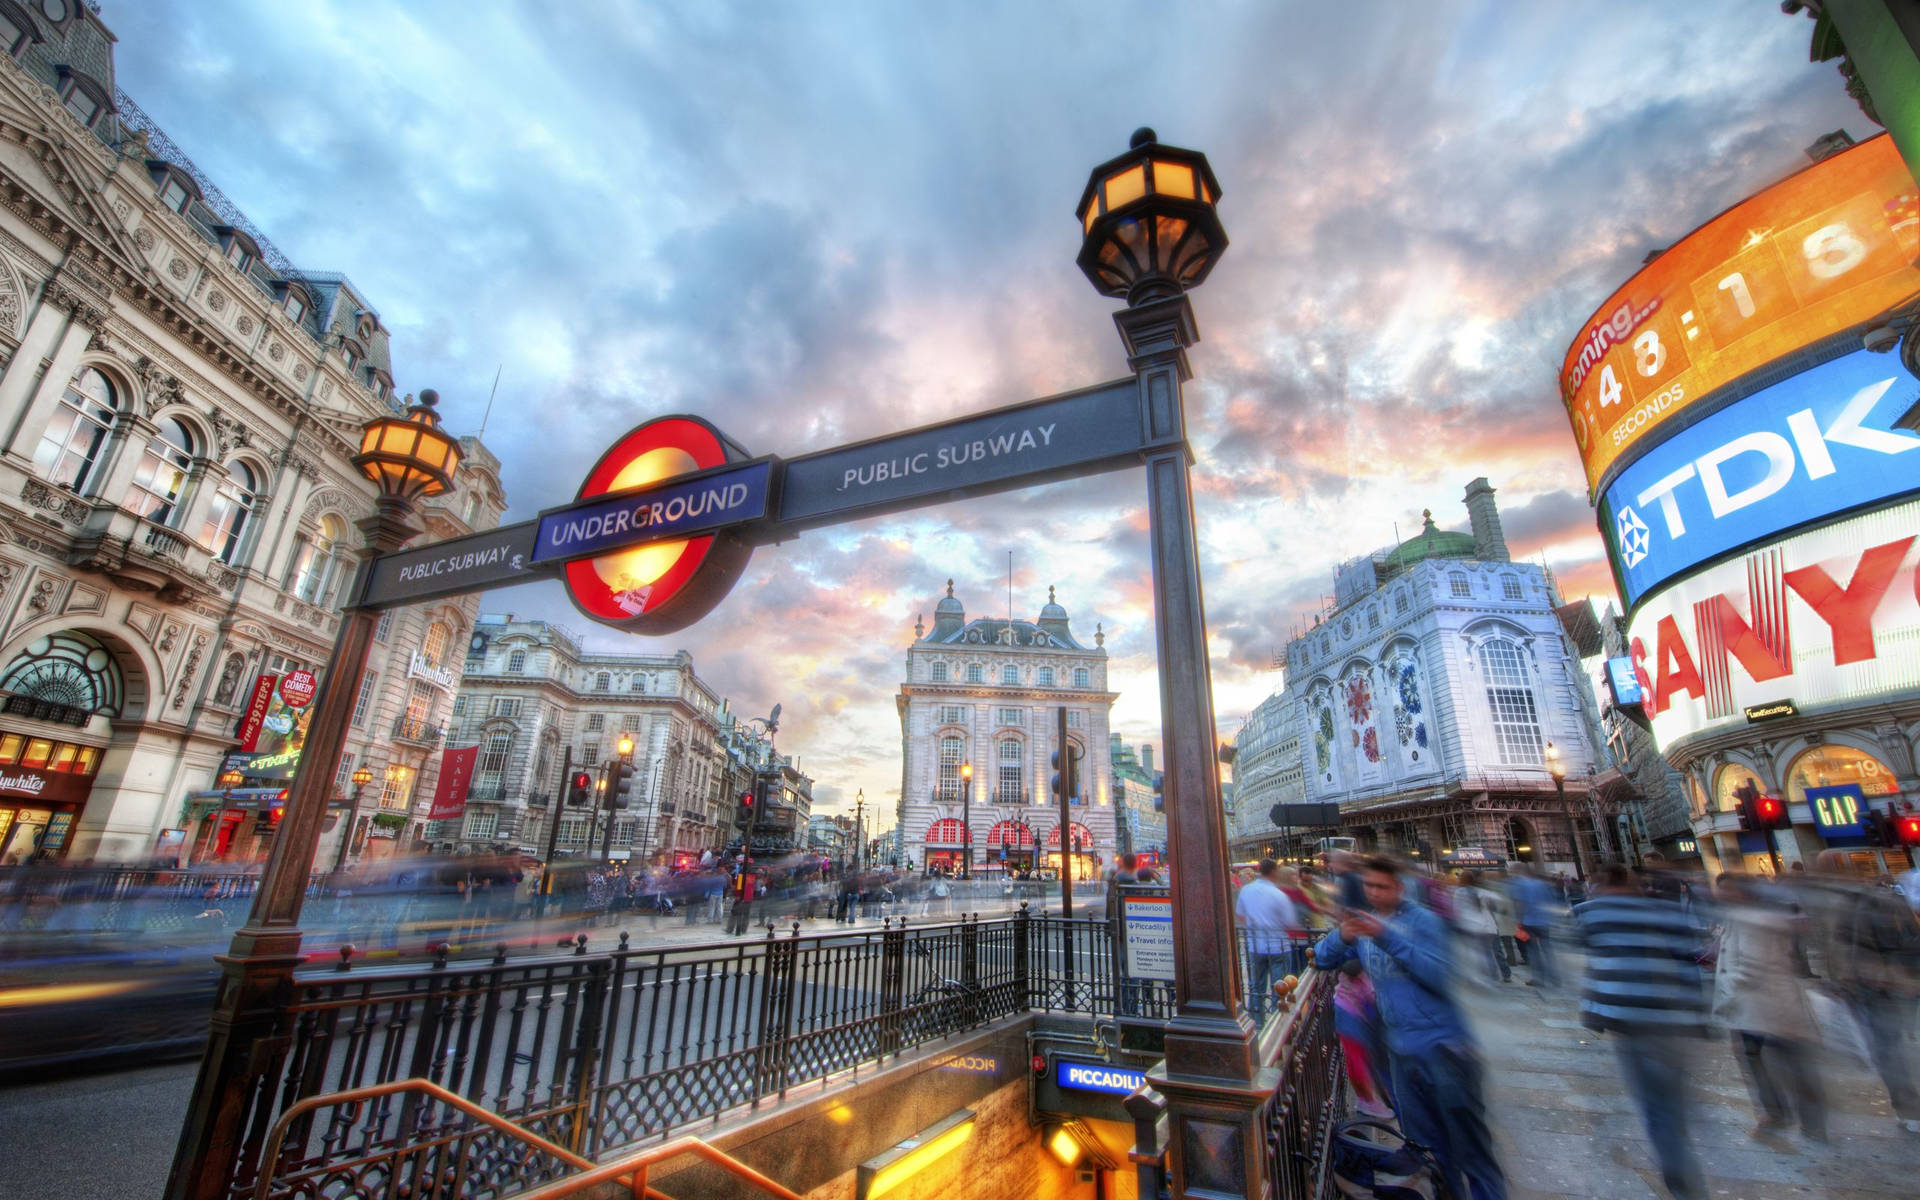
<point x="946" y="832"/>
<point x="1082" y="678"/>
<point x="1046" y="676"/>
<point x="1727" y="780"/>
<point x="1400" y="604"/>
<point x="161" y="478"/>
<point x="951" y="752"/>
<point x="232" y="509"/>
<point x="70" y="668"/>
<point x="434" y="646"/>
<point x="1516" y="723"/>
<point x="1837" y="766"/>
<point x="70" y="448"/>
<point x="1012" y="754"/>
<point x="939" y="672"/>
<point x="321" y="562"/>
<point x="494" y="754"/>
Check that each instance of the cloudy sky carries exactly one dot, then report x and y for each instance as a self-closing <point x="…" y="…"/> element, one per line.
<point x="818" y="222"/>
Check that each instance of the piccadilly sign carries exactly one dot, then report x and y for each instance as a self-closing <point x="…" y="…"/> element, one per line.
<point x="1818" y="444"/>
<point x="665" y="521"/>
<point x="1821" y="252"/>
<point x="1825" y="617"/>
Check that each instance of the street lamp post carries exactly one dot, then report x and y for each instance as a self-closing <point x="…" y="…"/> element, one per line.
<point x="859" y="836"/>
<point x="1150" y="232"/>
<point x="625" y="749"/>
<point x="361" y="778"/>
<point x="409" y="457"/>
<point x="966" y="820"/>
<point x="1557" y="767"/>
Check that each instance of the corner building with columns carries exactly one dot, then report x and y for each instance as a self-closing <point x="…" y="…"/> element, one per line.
<point x="984" y="693"/>
<point x="179" y="410"/>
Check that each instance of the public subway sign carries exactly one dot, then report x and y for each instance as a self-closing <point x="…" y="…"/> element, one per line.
<point x="1820" y="443"/>
<point x="1825" y="617"/>
<point x="665" y="521"/>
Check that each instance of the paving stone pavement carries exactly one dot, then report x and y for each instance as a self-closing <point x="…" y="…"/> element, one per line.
<point x="1566" y="1126"/>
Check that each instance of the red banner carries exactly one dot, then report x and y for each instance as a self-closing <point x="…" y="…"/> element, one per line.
<point x="257" y="705"/>
<point x="456" y="772"/>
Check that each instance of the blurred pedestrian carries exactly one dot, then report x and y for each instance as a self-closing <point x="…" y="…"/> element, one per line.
<point x="1869" y="945"/>
<point x="1476" y="917"/>
<point x="1643" y="987"/>
<point x="1436" y="1067"/>
<point x="1270" y="920"/>
<point x="1536" y="904"/>
<point x="1356" y="1021"/>
<point x="1758" y="994"/>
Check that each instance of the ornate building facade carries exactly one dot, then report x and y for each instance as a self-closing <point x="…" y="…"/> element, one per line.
<point x="1267" y="770"/>
<point x="179" y="405"/>
<point x="982" y="694"/>
<point x="1428" y="697"/>
<point x="532" y="699"/>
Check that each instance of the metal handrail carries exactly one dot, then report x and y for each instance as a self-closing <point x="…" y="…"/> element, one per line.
<point x="639" y="1165"/>
<point x="632" y="1170"/>
<point x="277" y="1137"/>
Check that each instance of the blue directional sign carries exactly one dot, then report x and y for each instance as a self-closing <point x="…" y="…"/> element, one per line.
<point x="675" y="509"/>
<point x="1097" y="1077"/>
<point x="1812" y="446"/>
<point x="1625" y="685"/>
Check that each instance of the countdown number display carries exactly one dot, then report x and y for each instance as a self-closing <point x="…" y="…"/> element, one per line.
<point x="1829" y="248"/>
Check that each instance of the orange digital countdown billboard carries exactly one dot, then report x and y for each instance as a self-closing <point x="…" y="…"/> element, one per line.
<point x="1826" y="249"/>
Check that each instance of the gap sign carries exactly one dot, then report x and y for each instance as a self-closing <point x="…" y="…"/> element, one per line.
<point x="1815" y="445"/>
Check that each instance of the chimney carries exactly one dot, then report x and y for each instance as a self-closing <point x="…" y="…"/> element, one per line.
<point x="1489" y="543"/>
<point x="1146" y="758"/>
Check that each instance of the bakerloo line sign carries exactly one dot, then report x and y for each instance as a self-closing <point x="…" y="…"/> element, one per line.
<point x="665" y="521"/>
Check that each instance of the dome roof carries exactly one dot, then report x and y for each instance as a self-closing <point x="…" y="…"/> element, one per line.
<point x="1052" y="611"/>
<point x="1432" y="542"/>
<point x="949" y="603"/>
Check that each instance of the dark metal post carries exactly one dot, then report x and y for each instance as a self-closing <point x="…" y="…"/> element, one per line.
<point x="1068" y="777"/>
<point x="247" y="1041"/>
<point x="1215" y="1087"/>
<point x="553" y="827"/>
<point x="603" y="802"/>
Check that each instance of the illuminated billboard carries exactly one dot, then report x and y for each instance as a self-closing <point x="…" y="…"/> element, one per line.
<point x="1825" y="250"/>
<point x="1816" y="445"/>
<point x="1828" y="616"/>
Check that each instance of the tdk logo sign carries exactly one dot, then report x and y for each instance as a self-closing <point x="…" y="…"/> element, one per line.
<point x="1819" y="443"/>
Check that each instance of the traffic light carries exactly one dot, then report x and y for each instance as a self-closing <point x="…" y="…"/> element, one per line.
<point x="622" y="789"/>
<point x="1066" y="773"/>
<point x="1770" y="812"/>
<point x="743" y="817"/>
<point x="1906" y="827"/>
<point x="1745" y="796"/>
<point x="580" y="788"/>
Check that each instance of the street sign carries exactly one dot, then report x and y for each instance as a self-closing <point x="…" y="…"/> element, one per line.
<point x="677" y="508"/>
<point x="473" y="563"/>
<point x="1021" y="445"/>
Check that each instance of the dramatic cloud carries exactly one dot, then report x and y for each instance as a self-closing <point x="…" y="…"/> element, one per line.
<point x="816" y="223"/>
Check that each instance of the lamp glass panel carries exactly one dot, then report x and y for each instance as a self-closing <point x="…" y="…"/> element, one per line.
<point x="1091" y="215"/>
<point x="1167" y="232"/>
<point x="1126" y="187"/>
<point x="1133" y="237"/>
<point x="1172" y="178"/>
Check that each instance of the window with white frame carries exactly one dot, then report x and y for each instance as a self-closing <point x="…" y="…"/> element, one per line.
<point x="939" y="672"/>
<point x="1082" y="677"/>
<point x="596" y="722"/>
<point x="603" y="681"/>
<point x="434" y="646"/>
<point x="504" y="706"/>
<point x="1009" y="675"/>
<point x="481" y="822"/>
<point x="1510" y="587"/>
<point x="1076" y="719"/>
<point x="517" y="662"/>
<point x="343" y="775"/>
<point x="1010" y="716"/>
<point x="397" y="792"/>
<point x="1516" y="723"/>
<point x="321" y="561"/>
<point x="953" y="714"/>
<point x="975" y="674"/>
<point x="385" y="626"/>
<point x="573" y="830"/>
<point x="160" y="479"/>
<point x="232" y="508"/>
<point x="70" y="448"/>
<point x="364" y="700"/>
<point x="1012" y="755"/>
<point x="494" y="753"/>
<point x="952" y="751"/>
<point x="590" y="752"/>
<point x="1458" y="582"/>
<point x="1046" y="676"/>
<point x="1400" y="604"/>
<point x="459" y="706"/>
<point x="630" y="723"/>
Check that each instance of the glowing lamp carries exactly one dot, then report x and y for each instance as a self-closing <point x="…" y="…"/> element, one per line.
<point x="1149" y="222"/>
<point x="1556" y="766"/>
<point x="625" y="745"/>
<point x="885" y="1172"/>
<point x="362" y="777"/>
<point x="411" y="456"/>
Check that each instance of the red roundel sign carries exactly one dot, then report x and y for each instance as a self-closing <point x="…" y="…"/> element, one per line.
<point x="665" y="586"/>
<point x="297" y="689"/>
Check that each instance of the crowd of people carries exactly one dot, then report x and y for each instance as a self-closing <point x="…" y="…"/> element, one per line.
<point x="1785" y="969"/>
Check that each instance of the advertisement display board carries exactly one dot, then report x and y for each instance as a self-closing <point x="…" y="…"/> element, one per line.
<point x="283" y="730"/>
<point x="1815" y="445"/>
<point x="1822" y="251"/>
<point x="1827" y="616"/>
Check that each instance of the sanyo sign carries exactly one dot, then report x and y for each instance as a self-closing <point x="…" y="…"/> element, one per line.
<point x="1829" y="616"/>
<point x="1820" y="443"/>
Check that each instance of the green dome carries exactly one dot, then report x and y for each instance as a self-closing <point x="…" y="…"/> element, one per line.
<point x="1432" y="542"/>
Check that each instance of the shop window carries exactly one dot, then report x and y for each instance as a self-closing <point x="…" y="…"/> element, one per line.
<point x="1837" y="766"/>
<point x="70" y="448"/>
<point x="39" y="750"/>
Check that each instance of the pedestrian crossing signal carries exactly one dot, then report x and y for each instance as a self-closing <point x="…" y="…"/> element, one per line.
<point x="1908" y="829"/>
<point x="579" y="788"/>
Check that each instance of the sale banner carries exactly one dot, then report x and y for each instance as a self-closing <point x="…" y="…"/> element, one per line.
<point x="256" y="712"/>
<point x="456" y="773"/>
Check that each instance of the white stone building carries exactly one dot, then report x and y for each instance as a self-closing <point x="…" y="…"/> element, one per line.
<point x="531" y="693"/>
<point x="1267" y="770"/>
<point x="179" y="406"/>
<point x="1428" y="696"/>
<point x="984" y="693"/>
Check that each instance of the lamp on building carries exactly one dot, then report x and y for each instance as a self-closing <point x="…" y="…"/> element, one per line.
<point x="407" y="457"/>
<point x="966" y="820"/>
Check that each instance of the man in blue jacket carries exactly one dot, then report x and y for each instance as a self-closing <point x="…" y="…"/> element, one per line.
<point x="1436" y="1067"/>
